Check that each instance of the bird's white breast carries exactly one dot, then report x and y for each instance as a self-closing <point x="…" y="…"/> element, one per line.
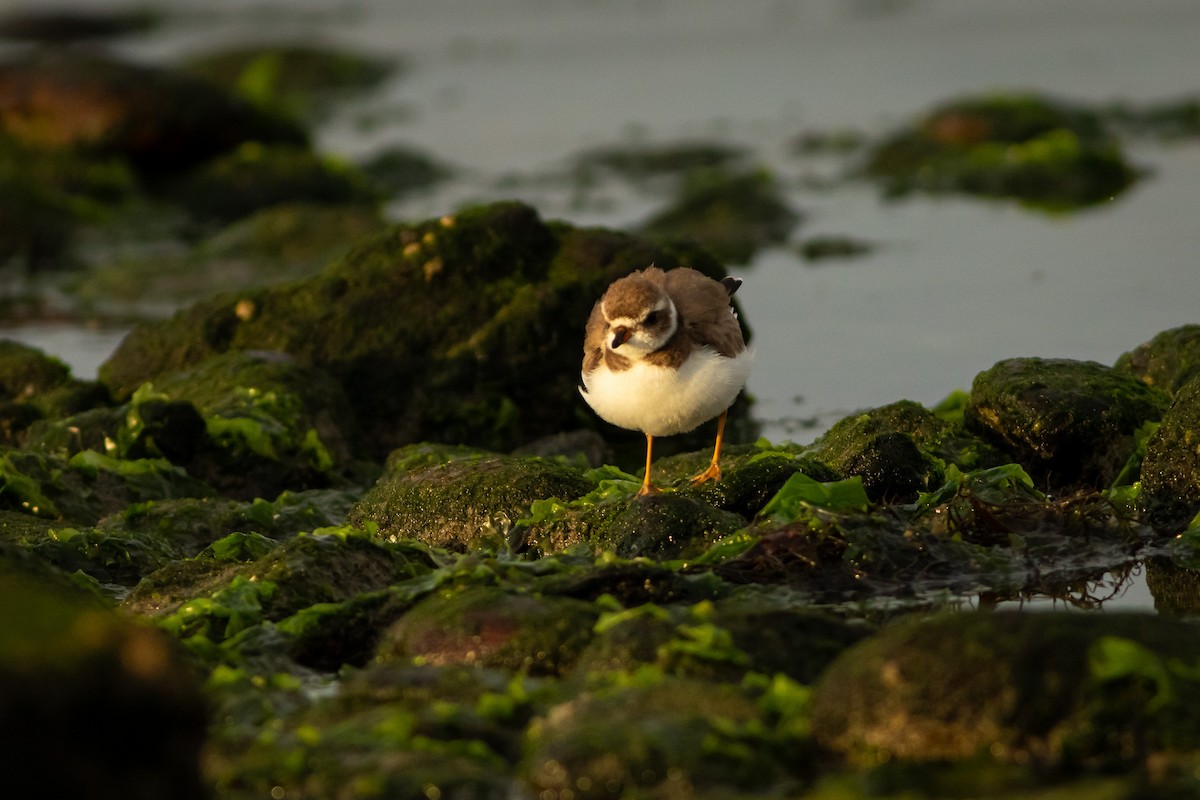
<point x="661" y="401"/>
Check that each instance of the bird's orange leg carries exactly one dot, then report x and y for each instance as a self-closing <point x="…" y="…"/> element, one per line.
<point x="647" y="486"/>
<point x="713" y="473"/>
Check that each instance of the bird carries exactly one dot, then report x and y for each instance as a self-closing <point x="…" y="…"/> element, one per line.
<point x="663" y="354"/>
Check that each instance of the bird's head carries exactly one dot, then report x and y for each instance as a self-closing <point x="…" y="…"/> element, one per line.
<point x="640" y="315"/>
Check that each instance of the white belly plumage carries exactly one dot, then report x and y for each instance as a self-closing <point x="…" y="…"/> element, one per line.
<point x="660" y="401"/>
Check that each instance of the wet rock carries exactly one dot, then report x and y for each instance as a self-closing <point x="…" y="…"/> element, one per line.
<point x="732" y="215"/>
<point x="636" y="163"/>
<point x="1169" y="361"/>
<point x="50" y="197"/>
<point x="400" y="171"/>
<point x="1170" y="474"/>
<point x="1068" y="423"/>
<point x="721" y="640"/>
<point x="283" y="242"/>
<point x="667" y="739"/>
<point x="664" y="526"/>
<point x="67" y="667"/>
<point x="157" y="119"/>
<point x="824" y="248"/>
<point x="34" y="385"/>
<point x="271" y="423"/>
<point x="1059" y="689"/>
<point x="296" y="80"/>
<point x="492" y="627"/>
<point x="89" y="485"/>
<point x="463" y="500"/>
<point x="896" y="449"/>
<point x="476" y="348"/>
<point x="391" y="731"/>
<point x="1043" y="153"/>
<point x="254" y="177"/>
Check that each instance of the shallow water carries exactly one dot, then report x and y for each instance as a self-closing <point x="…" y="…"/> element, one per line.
<point x="510" y="91"/>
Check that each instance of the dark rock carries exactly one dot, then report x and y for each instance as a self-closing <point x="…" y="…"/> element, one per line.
<point x="66" y="668"/>
<point x="664" y="526"/>
<point x="1175" y="587"/>
<point x="454" y="330"/>
<point x="65" y="25"/>
<point x="158" y="119"/>
<point x="750" y="476"/>
<point x="1168" y="361"/>
<point x="1068" y="423"/>
<point x="732" y="215"/>
<point x="44" y="383"/>
<point x="896" y="449"/>
<point x="1170" y="474"/>
<point x="636" y="163"/>
<point x="464" y="500"/>
<point x="489" y="626"/>
<point x="1044" y="153"/>
<point x="1059" y="689"/>
<point x="399" y="171"/>
<point x="252" y="178"/>
<point x="663" y="740"/>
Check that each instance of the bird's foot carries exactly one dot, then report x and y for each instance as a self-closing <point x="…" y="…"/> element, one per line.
<point x="713" y="473"/>
<point x="648" y="488"/>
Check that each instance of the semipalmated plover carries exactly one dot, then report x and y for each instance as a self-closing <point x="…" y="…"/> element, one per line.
<point x="663" y="353"/>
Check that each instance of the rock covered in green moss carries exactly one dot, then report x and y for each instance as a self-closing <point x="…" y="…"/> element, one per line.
<point x="456" y="329"/>
<point x="896" y="449"/>
<point x="67" y="667"/>
<point x="295" y="80"/>
<point x="462" y="498"/>
<point x="157" y="119"/>
<point x="34" y="385"/>
<point x="1044" y="153"/>
<point x="668" y="738"/>
<point x="1170" y="475"/>
<point x="1169" y="360"/>
<point x="732" y="215"/>
<point x="488" y="626"/>
<point x="254" y="177"/>
<point x="1058" y="689"/>
<point x="1067" y="422"/>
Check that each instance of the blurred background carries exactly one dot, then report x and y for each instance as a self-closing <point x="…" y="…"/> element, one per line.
<point x="763" y="124"/>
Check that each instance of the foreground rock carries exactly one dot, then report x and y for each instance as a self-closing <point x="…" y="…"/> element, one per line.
<point x="69" y="668"/>
<point x="1060" y="690"/>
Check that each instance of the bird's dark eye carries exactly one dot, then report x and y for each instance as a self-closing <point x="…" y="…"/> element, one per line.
<point x="652" y="318"/>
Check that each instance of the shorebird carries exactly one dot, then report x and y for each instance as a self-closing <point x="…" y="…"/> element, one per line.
<point x="663" y="353"/>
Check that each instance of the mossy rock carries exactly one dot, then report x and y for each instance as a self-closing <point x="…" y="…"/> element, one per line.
<point x="272" y="423"/>
<point x="399" y="171"/>
<point x="1168" y="361"/>
<point x="66" y="666"/>
<point x="296" y="80"/>
<point x="157" y="119"/>
<point x="391" y="731"/>
<point x="488" y="626"/>
<point x="89" y="485"/>
<point x="1060" y="689"/>
<point x="284" y="242"/>
<point x="732" y="215"/>
<point x="664" y="526"/>
<point x="661" y="740"/>
<point x="897" y="449"/>
<point x="253" y="177"/>
<point x="638" y="162"/>
<point x="719" y="640"/>
<point x="1043" y="153"/>
<point x="34" y="385"/>
<point x="1068" y="423"/>
<point x="1170" y="475"/>
<point x="464" y="501"/>
<point x="455" y="329"/>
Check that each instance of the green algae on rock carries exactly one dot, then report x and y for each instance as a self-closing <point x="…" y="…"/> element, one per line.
<point x="451" y="308"/>
<point x="1061" y="690"/>
<point x="1068" y="423"/>
<point x="1044" y="153"/>
<point x="460" y="501"/>
<point x="1168" y="361"/>
<point x="157" y="119"/>
<point x="66" y="667"/>
<point x="488" y="626"/>
<point x="1170" y="473"/>
<point x="34" y="385"/>
<point x="732" y="215"/>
